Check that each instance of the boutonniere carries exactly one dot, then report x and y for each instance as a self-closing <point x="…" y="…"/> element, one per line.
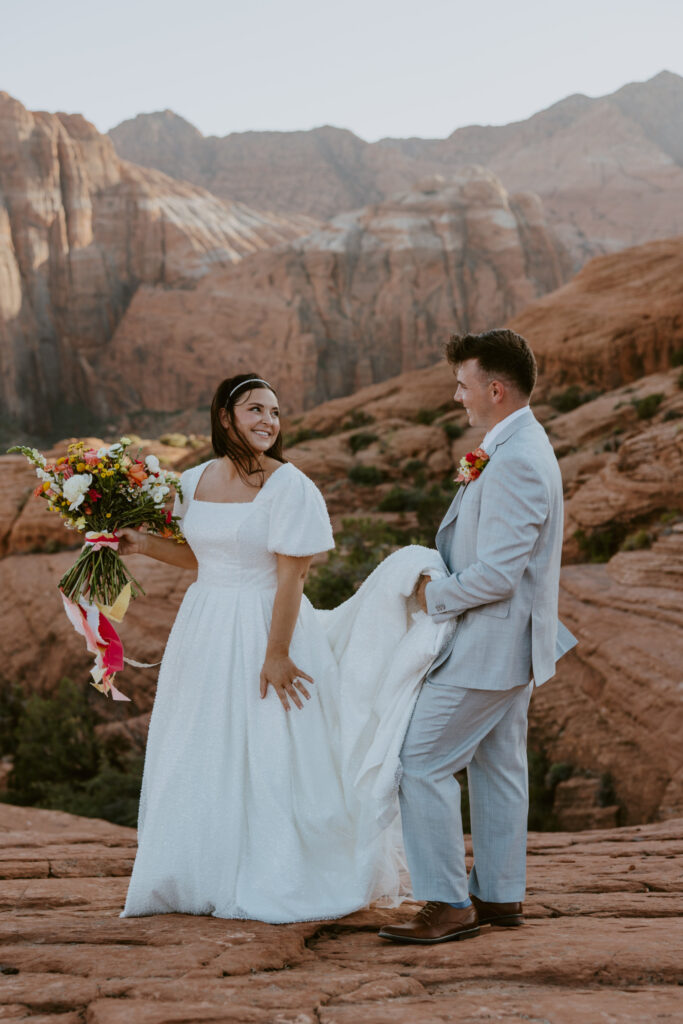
<point x="472" y="465"/>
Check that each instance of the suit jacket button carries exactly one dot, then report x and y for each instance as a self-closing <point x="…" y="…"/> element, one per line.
<point x="441" y="607"/>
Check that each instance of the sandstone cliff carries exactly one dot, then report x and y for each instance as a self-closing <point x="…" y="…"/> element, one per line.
<point x="609" y="169"/>
<point x="371" y="294"/>
<point x="80" y="231"/>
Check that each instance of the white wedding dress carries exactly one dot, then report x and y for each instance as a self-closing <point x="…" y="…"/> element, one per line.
<point x="248" y="811"/>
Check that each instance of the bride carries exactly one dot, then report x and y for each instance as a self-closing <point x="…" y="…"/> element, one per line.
<point x="266" y="794"/>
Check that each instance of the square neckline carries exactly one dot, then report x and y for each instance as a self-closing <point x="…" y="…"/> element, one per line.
<point x="202" y="501"/>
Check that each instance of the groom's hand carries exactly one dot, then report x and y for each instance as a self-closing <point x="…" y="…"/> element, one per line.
<point x="420" y="592"/>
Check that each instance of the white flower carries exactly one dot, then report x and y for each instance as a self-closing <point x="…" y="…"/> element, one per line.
<point x="124" y="441"/>
<point x="80" y="523"/>
<point x="75" y="489"/>
<point x="42" y="475"/>
<point x="37" y="458"/>
<point x="152" y="464"/>
<point x="158" y="494"/>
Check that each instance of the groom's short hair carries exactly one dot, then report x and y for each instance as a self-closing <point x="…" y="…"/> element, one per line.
<point x="500" y="353"/>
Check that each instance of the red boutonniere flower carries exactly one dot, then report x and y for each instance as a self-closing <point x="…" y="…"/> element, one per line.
<point x="471" y="466"/>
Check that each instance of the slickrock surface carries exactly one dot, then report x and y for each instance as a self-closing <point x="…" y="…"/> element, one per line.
<point x="610" y="169"/>
<point x="371" y="294"/>
<point x="80" y="230"/>
<point x="603" y="942"/>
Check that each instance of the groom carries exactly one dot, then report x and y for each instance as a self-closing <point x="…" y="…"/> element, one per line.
<point x="501" y="540"/>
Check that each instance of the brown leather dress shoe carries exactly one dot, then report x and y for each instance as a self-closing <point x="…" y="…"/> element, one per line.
<point x="505" y="915"/>
<point x="435" y="922"/>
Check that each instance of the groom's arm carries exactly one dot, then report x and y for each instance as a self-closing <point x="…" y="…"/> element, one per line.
<point x="513" y="508"/>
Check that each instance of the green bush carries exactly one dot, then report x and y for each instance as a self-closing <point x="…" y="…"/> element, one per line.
<point x="601" y="544"/>
<point x="671" y="414"/>
<point x="400" y="499"/>
<point x="369" y="476"/>
<point x="357" y="442"/>
<point x="571" y="398"/>
<point x="361" y="545"/>
<point x="637" y="541"/>
<point x="648" y="406"/>
<point x="299" y="436"/>
<point x="453" y="430"/>
<point x="677" y="357"/>
<point x="427" y="416"/>
<point x="357" y="418"/>
<point x="59" y="761"/>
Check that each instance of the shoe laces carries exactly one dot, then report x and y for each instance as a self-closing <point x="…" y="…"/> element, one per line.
<point x="428" y="910"/>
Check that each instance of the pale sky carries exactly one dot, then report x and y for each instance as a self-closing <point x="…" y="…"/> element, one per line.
<point x="378" y="67"/>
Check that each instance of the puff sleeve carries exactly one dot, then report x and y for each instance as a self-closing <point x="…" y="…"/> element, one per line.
<point x="188" y="483"/>
<point x="299" y="521"/>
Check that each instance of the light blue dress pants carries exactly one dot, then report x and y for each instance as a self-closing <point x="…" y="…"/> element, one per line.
<point x="484" y="731"/>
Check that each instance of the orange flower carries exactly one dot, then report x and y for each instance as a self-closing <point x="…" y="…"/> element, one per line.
<point x="137" y="474"/>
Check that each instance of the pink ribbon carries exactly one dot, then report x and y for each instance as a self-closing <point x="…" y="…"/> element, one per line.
<point x="102" y="640"/>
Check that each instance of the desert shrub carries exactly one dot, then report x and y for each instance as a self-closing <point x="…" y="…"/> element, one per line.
<point x="427" y="416"/>
<point x="677" y="357"/>
<point x="400" y="499"/>
<point x="59" y="761"/>
<point x="648" y="406"/>
<point x="453" y="430"/>
<point x="571" y="398"/>
<point x="600" y="544"/>
<point x="679" y="381"/>
<point x="637" y="541"/>
<point x="361" y="545"/>
<point x="671" y="414"/>
<point x="357" y="418"/>
<point x="299" y="436"/>
<point x="368" y="476"/>
<point x="357" y="442"/>
<point x="11" y="706"/>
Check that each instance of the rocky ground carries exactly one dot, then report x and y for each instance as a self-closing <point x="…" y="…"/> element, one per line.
<point x="603" y="942"/>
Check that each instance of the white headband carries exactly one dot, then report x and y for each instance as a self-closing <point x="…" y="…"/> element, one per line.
<point x="253" y="380"/>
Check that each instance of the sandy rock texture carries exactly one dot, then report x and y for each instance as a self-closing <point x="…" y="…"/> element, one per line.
<point x="370" y="295"/>
<point x="603" y="942"/>
<point x="80" y="230"/>
<point x="610" y="170"/>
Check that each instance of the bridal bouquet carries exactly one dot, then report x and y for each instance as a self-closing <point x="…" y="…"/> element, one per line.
<point x="97" y="492"/>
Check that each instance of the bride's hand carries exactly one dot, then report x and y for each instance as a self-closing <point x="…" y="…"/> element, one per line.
<point x="131" y="542"/>
<point x="280" y="672"/>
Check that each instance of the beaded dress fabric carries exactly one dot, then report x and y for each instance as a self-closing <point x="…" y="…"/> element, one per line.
<point x="243" y="812"/>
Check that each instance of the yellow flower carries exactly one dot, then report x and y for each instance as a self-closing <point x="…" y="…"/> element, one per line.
<point x="61" y="460"/>
<point x="46" y="485"/>
<point x="108" y="515"/>
<point x="81" y="466"/>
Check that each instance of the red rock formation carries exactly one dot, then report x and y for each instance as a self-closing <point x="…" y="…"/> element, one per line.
<point x="373" y="293"/>
<point x="80" y="230"/>
<point x="608" y="169"/>
<point x="601" y="942"/>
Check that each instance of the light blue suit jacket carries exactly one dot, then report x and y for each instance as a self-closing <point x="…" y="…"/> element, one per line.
<point x="502" y="542"/>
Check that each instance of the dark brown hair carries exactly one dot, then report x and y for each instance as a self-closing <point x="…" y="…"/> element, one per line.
<point x="500" y="353"/>
<point x="232" y="442"/>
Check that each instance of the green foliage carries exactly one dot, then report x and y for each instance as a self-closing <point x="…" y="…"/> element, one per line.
<point x="368" y="476"/>
<point x="677" y="356"/>
<point x="601" y="544"/>
<point x="453" y="430"/>
<point x="357" y="418"/>
<point x="427" y="416"/>
<point x="543" y="781"/>
<point x="648" y="406"/>
<point x="571" y="398"/>
<point x="55" y="742"/>
<point x="11" y="707"/>
<point x="361" y="545"/>
<point x="400" y="499"/>
<point x="671" y="414"/>
<point x="679" y="380"/>
<point x="357" y="442"/>
<point x="59" y="761"/>
<point x="299" y="436"/>
<point x="637" y="541"/>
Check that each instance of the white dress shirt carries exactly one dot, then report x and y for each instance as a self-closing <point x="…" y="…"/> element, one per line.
<point x="496" y="429"/>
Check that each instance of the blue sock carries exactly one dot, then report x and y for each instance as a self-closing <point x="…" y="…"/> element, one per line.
<point x="461" y="904"/>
